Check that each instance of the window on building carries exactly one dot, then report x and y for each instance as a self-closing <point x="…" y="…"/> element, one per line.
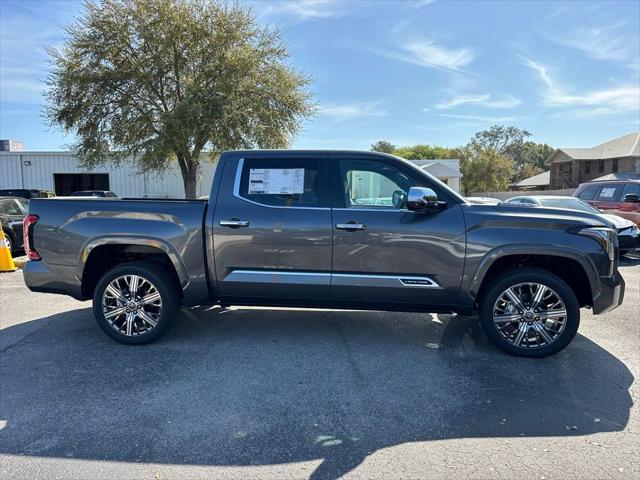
<point x="600" y="166"/>
<point x="587" y="167"/>
<point x="614" y="165"/>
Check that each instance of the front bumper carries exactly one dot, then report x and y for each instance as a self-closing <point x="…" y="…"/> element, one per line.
<point x="629" y="241"/>
<point x="611" y="294"/>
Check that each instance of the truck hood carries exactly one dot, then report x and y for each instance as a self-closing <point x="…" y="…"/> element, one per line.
<point x="619" y="222"/>
<point x="544" y="217"/>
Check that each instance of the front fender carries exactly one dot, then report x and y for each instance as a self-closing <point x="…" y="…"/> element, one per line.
<point x="534" y="249"/>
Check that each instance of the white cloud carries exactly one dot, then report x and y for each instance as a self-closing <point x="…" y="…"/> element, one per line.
<point x="483" y="100"/>
<point x="349" y="111"/>
<point x="307" y="9"/>
<point x="420" y="3"/>
<point x="429" y="54"/>
<point x="540" y="69"/>
<point x="480" y="118"/>
<point x="601" y="41"/>
<point x="614" y="100"/>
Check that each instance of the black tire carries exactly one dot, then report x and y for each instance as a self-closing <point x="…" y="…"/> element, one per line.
<point x="524" y="275"/>
<point x="166" y="286"/>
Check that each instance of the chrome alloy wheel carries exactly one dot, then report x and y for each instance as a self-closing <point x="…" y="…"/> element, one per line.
<point x="132" y="305"/>
<point x="530" y="315"/>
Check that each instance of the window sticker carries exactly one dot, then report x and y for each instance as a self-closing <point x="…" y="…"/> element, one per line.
<point x="608" y="192"/>
<point x="276" y="181"/>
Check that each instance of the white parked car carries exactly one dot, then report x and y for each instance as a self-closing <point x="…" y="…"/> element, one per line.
<point x="628" y="233"/>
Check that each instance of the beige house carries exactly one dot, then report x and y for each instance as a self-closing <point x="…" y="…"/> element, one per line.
<point x="572" y="166"/>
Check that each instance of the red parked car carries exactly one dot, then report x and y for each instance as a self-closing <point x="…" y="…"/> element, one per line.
<point x="620" y="197"/>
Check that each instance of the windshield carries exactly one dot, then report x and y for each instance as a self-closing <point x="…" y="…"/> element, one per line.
<point x="570" y="203"/>
<point x="24" y="203"/>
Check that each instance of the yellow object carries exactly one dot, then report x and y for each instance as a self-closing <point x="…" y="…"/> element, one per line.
<point x="6" y="262"/>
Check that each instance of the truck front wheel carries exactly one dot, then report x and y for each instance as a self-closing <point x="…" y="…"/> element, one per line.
<point x="530" y="312"/>
<point x="136" y="302"/>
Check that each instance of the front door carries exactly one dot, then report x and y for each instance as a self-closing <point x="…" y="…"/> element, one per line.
<point x="385" y="253"/>
<point x="272" y="229"/>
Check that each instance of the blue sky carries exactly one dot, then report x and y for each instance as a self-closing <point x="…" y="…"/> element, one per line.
<point x="406" y="71"/>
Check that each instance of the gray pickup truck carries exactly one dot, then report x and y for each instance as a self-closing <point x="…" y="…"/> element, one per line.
<point x="338" y="229"/>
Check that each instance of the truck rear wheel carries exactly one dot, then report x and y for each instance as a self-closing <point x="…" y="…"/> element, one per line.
<point x="136" y="302"/>
<point x="530" y="312"/>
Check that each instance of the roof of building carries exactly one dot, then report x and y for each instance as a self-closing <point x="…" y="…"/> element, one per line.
<point x="440" y="170"/>
<point x="538" y="180"/>
<point x="625" y="146"/>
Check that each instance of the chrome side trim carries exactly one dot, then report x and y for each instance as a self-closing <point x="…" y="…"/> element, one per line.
<point x="236" y="192"/>
<point x="278" y="276"/>
<point x="383" y="281"/>
<point x="325" y="278"/>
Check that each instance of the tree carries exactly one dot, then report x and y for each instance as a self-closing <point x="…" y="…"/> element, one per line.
<point x="484" y="170"/>
<point x="507" y="141"/>
<point x="383" y="146"/>
<point x="173" y="80"/>
<point x="537" y="154"/>
<point x="426" y="152"/>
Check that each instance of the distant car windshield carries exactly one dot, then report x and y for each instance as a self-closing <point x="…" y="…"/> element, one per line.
<point x="569" y="203"/>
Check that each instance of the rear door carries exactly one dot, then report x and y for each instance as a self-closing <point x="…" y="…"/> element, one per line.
<point x="384" y="253"/>
<point x="272" y="229"/>
<point x="609" y="196"/>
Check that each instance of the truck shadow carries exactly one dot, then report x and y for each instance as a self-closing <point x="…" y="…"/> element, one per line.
<point x="262" y="387"/>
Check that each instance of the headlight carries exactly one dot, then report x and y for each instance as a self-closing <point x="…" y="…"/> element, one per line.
<point x="606" y="237"/>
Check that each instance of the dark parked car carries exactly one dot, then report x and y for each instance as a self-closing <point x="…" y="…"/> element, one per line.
<point x="621" y="197"/>
<point x="338" y="229"/>
<point x="94" y="193"/>
<point x="628" y="232"/>
<point x="25" y="193"/>
<point x="12" y="213"/>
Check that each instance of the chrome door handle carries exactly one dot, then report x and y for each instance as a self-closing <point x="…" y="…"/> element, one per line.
<point x="234" y="223"/>
<point x="351" y="226"/>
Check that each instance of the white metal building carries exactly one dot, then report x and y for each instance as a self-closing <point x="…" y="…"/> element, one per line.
<point x="446" y="170"/>
<point x="60" y="172"/>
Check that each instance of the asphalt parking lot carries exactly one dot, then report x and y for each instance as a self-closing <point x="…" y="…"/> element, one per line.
<point x="275" y="393"/>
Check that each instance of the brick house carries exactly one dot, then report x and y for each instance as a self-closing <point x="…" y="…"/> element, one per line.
<point x="572" y="166"/>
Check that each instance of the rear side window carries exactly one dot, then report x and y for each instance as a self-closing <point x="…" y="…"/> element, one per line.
<point x="9" y="207"/>
<point x="284" y="182"/>
<point x="610" y="193"/>
<point x="589" y="192"/>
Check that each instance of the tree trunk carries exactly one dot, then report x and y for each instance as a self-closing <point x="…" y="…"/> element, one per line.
<point x="189" y="171"/>
<point x="190" y="180"/>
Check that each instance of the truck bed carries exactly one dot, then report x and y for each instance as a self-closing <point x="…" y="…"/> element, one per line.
<point x="73" y="232"/>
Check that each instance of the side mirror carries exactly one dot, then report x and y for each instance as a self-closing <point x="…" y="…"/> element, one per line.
<point x="631" y="198"/>
<point x="420" y="199"/>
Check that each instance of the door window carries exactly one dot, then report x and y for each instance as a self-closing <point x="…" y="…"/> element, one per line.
<point x="284" y="182"/>
<point x="372" y="184"/>
<point x="633" y="188"/>
<point x="610" y="193"/>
